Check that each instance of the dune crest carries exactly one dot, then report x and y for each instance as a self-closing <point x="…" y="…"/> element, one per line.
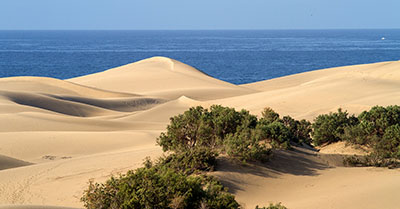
<point x="162" y="77"/>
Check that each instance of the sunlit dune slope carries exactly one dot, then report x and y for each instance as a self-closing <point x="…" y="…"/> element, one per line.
<point x="162" y="77"/>
<point x="353" y="88"/>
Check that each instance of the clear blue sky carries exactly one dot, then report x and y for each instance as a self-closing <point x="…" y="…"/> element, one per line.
<point x="200" y="14"/>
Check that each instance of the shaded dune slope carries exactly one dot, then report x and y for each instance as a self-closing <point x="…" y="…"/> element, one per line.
<point x="53" y="104"/>
<point x="81" y="106"/>
<point x="67" y="98"/>
<point x="55" y="86"/>
<point x="8" y="162"/>
<point x="306" y="180"/>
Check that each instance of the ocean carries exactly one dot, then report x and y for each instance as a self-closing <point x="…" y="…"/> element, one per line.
<point x="236" y="56"/>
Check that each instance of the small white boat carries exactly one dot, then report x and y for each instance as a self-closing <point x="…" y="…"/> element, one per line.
<point x="383" y="38"/>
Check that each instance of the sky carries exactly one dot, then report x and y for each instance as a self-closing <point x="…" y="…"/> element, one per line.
<point x="197" y="15"/>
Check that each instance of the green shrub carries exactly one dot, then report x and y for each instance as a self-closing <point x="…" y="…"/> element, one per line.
<point x="281" y="132"/>
<point x="200" y="127"/>
<point x="372" y="126"/>
<point x="273" y="206"/>
<point x="328" y="128"/>
<point x="187" y="130"/>
<point x="276" y="133"/>
<point x="389" y="145"/>
<point x="381" y="118"/>
<point x="361" y="134"/>
<point x="378" y="128"/>
<point x="216" y="195"/>
<point x="226" y="120"/>
<point x="191" y="161"/>
<point x="299" y="130"/>
<point x="269" y="115"/>
<point x="158" y="187"/>
<point x="245" y="145"/>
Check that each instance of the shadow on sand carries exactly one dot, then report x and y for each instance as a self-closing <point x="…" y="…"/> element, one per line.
<point x="299" y="162"/>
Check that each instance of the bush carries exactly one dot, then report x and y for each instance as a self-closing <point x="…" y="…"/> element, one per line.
<point x="277" y="134"/>
<point x="381" y="118"/>
<point x="187" y="130"/>
<point x="191" y="161"/>
<point x="200" y="127"/>
<point x="269" y="115"/>
<point x="216" y="195"/>
<point x="328" y="128"/>
<point x="299" y="130"/>
<point x="389" y="145"/>
<point x="361" y="134"/>
<point x="245" y="145"/>
<point x="226" y="120"/>
<point x="281" y="132"/>
<point x="158" y="187"/>
<point x="273" y="206"/>
<point x="379" y="129"/>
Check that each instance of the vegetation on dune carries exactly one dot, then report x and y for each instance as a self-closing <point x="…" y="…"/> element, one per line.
<point x="300" y="130"/>
<point x="192" y="161"/>
<point x="158" y="186"/>
<point x="238" y="134"/>
<point x="219" y="130"/>
<point x="197" y="137"/>
<point x="245" y="145"/>
<point x="378" y="128"/>
<point x="272" y="206"/>
<point x="193" y="140"/>
<point x="200" y="127"/>
<point x="328" y="128"/>
<point x="282" y="132"/>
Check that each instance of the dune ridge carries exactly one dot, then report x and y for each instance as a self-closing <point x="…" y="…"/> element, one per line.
<point x="55" y="135"/>
<point x="169" y="78"/>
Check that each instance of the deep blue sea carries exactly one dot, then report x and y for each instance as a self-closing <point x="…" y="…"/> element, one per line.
<point x="237" y="56"/>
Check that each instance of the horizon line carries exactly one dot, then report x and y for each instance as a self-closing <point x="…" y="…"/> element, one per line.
<point x="198" y="29"/>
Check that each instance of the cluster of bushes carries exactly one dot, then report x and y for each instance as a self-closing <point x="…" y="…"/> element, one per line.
<point x="217" y="130"/>
<point x="193" y="141"/>
<point x="284" y="131"/>
<point x="378" y="128"/>
<point x="238" y="134"/>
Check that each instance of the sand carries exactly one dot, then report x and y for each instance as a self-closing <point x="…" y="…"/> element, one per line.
<point x="55" y="135"/>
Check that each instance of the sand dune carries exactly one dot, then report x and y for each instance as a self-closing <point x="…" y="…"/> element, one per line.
<point x="162" y="77"/>
<point x="56" y="135"/>
<point x="306" y="95"/>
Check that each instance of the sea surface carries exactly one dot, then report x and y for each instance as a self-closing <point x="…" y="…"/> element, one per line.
<point x="236" y="56"/>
